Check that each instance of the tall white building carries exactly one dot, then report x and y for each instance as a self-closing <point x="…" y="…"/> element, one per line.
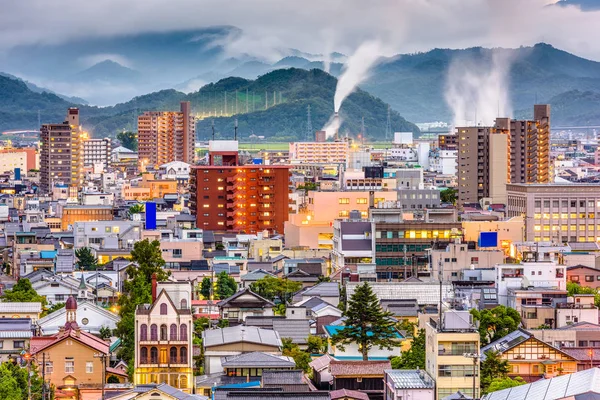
<point x="97" y="151"/>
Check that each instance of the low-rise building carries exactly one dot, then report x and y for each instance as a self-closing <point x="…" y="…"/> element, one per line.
<point x="15" y="334"/>
<point x="31" y="310"/>
<point x="408" y="384"/>
<point x="244" y="303"/>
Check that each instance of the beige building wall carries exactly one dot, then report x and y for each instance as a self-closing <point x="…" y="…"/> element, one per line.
<point x="509" y="231"/>
<point x="319" y="152"/>
<point x="499" y="169"/>
<point x="189" y="250"/>
<point x="325" y="206"/>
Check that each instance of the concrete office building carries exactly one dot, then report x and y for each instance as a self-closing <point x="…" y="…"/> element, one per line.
<point x="97" y="151"/>
<point x="512" y="151"/>
<point x="557" y="212"/>
<point x="245" y="198"/>
<point x="25" y="158"/>
<point x="61" y="153"/>
<point x="165" y="136"/>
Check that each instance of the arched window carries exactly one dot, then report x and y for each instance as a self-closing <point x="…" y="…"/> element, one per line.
<point x="183" y="355"/>
<point x="163" y="309"/>
<point x="183" y="304"/>
<point x="163" y="332"/>
<point x="144" y="355"/>
<point x="153" y="355"/>
<point x="143" y="332"/>
<point x="173" y="332"/>
<point x="173" y="355"/>
<point x="183" y="332"/>
<point x="153" y="332"/>
<point x="183" y="382"/>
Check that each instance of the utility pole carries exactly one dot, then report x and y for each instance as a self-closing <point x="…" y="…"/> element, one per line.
<point x="212" y="124"/>
<point x="475" y="357"/>
<point x="102" y="358"/>
<point x="43" y="376"/>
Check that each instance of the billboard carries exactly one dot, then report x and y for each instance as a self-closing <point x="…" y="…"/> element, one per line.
<point x="150" y="215"/>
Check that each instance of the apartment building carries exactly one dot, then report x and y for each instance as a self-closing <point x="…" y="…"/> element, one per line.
<point x="536" y="274"/>
<point x="148" y="188"/>
<point x="72" y="213"/>
<point x="353" y="242"/>
<point x="24" y="158"/>
<point x="511" y="151"/>
<point x="97" y="152"/>
<point x="448" y="261"/>
<point x="61" y="153"/>
<point x="165" y="136"/>
<point x="163" y="337"/>
<point x="244" y="198"/>
<point x="557" y="212"/>
<point x="447" y="342"/>
<point x="319" y="152"/>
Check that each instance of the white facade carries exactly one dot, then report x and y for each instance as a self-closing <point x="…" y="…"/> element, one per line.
<point x="541" y="274"/>
<point x="90" y="318"/>
<point x="175" y="170"/>
<point x="107" y="234"/>
<point x="97" y="151"/>
<point x="97" y="199"/>
<point x="403" y="137"/>
<point x="443" y="161"/>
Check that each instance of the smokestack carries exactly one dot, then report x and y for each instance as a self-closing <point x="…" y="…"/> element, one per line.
<point x="336" y="116"/>
<point x="153" y="288"/>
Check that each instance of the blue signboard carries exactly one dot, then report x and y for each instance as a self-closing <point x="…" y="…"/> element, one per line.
<point x="150" y="215"/>
<point x="488" y="239"/>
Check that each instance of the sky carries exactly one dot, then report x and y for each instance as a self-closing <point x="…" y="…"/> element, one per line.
<point x="316" y="26"/>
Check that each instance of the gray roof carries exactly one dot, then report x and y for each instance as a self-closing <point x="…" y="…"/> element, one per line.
<point x="274" y="394"/>
<point x="240" y="333"/>
<point x="283" y="377"/>
<point x="410" y="379"/>
<point x="15" y="328"/>
<point x="169" y="390"/>
<point x="579" y="385"/>
<point x="423" y="292"/>
<point x="32" y="307"/>
<point x="256" y="275"/>
<point x="323" y="289"/>
<point x="295" y="329"/>
<point x="257" y="360"/>
<point x="507" y="342"/>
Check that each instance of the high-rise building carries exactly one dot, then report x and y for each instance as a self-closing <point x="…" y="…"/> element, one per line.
<point x="61" y="153"/>
<point x="245" y="198"/>
<point x="97" y="151"/>
<point x="165" y="136"/>
<point x="511" y="151"/>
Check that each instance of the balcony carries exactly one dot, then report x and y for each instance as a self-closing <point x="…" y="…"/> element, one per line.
<point x="575" y="306"/>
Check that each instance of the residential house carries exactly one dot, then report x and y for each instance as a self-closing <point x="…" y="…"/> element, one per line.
<point x="15" y="334"/>
<point x="530" y="358"/>
<point x="321" y="373"/>
<point x="327" y="291"/>
<point x="242" y="304"/>
<point x="163" y="337"/>
<point x="578" y="308"/>
<point x="31" y="310"/>
<point x="352" y="352"/>
<point x="581" y="334"/>
<point x="90" y="318"/>
<point x="253" y="276"/>
<point x="584" y="276"/>
<point x="236" y="340"/>
<point x="288" y="380"/>
<point x="345" y="394"/>
<point x="408" y="384"/>
<point x="364" y="376"/>
<point x="74" y="357"/>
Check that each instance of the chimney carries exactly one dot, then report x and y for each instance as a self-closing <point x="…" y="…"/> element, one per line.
<point x="153" y="288"/>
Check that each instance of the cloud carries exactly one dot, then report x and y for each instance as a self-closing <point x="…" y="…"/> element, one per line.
<point x="267" y="26"/>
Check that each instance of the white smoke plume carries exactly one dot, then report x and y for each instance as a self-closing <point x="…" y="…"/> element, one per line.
<point x="477" y="92"/>
<point x="357" y="70"/>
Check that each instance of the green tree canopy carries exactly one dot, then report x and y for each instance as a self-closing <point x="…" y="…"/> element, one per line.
<point x="272" y="288"/>
<point x="22" y="291"/>
<point x="493" y="367"/>
<point x="137" y="289"/>
<point x="19" y="374"/>
<point x="301" y="358"/>
<point x="366" y="323"/>
<point x="135" y="209"/>
<point x="226" y="286"/>
<point x="575" y="288"/>
<point x="86" y="259"/>
<point x="448" y="195"/>
<point x="414" y="357"/>
<point x="505" y="383"/>
<point x="52" y="308"/>
<point x="206" y="287"/>
<point x="496" y="323"/>
<point x="316" y="345"/>
<point x="128" y="140"/>
<point x="9" y="387"/>
<point x="112" y="379"/>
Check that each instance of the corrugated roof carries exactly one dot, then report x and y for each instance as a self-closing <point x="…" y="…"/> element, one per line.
<point x="422" y="292"/>
<point x="283" y="377"/>
<point x="258" y="360"/>
<point x="348" y="394"/>
<point x="358" y="368"/>
<point x="323" y="289"/>
<point x="295" y="329"/>
<point x="240" y="333"/>
<point x="33" y="307"/>
<point x="410" y="379"/>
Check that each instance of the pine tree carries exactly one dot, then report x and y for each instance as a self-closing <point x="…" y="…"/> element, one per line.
<point x="205" y="287"/>
<point x="366" y="323"/>
<point x="86" y="259"/>
<point x="493" y="368"/>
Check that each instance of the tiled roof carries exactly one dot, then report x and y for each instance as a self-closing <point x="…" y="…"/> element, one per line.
<point x="33" y="307"/>
<point x="240" y="333"/>
<point x="410" y="379"/>
<point x="38" y="344"/>
<point x="323" y="289"/>
<point x="283" y="377"/>
<point x="295" y="329"/>
<point x="321" y="363"/>
<point x="582" y="353"/>
<point x="257" y="360"/>
<point x="358" y="368"/>
<point x="169" y="390"/>
<point x="348" y="394"/>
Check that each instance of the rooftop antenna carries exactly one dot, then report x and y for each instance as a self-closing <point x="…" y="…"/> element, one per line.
<point x="309" y="127"/>
<point x="212" y="125"/>
<point x="235" y="128"/>
<point x="388" y="125"/>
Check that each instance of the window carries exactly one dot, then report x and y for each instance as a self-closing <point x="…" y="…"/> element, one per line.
<point x="49" y="367"/>
<point x="19" y="344"/>
<point x="361" y="201"/>
<point x="183" y="336"/>
<point x="143" y="332"/>
<point x="183" y="304"/>
<point x="89" y="367"/>
<point x="173" y="332"/>
<point x="177" y="253"/>
<point x="153" y="355"/>
<point x="69" y="365"/>
<point x="107" y="229"/>
<point x="144" y="355"/>
<point x="583" y="343"/>
<point x="589" y="278"/>
<point x="173" y="355"/>
<point x="344" y="200"/>
<point x="153" y="332"/>
<point x="163" y="309"/>
<point x="183" y="355"/>
<point x="163" y="333"/>
<point x="1" y="344"/>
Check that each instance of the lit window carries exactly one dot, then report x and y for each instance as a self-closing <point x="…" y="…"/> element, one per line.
<point x="69" y="366"/>
<point x="205" y="205"/>
<point x="115" y="229"/>
<point x="361" y="201"/>
<point x="344" y="200"/>
<point x="220" y="206"/>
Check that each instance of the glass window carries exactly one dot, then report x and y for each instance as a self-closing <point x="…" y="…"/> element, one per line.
<point x="89" y="367"/>
<point x="69" y="366"/>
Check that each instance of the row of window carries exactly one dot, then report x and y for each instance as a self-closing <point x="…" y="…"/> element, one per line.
<point x="402" y="247"/>
<point x="566" y="203"/>
<point x="69" y="366"/>
<point x="17" y="344"/>
<point x="572" y="227"/>
<point x="183" y="335"/>
<point x="420" y="234"/>
<point x="455" y="371"/>
<point x="346" y="200"/>
<point x="588" y="278"/>
<point x="153" y="359"/>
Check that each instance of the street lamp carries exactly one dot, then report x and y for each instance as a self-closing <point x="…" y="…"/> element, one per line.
<point x="102" y="358"/>
<point x="475" y="357"/>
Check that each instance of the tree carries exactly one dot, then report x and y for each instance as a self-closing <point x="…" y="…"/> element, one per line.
<point x="448" y="195"/>
<point x="20" y="375"/>
<point x="496" y="323"/>
<point x="112" y="379"/>
<point x="301" y="358"/>
<point x="135" y="209"/>
<point x="137" y="289"/>
<point x="200" y="325"/>
<point x="86" y="259"/>
<point x="316" y="345"/>
<point x="308" y="186"/>
<point x="505" y="383"/>
<point x="343" y="298"/>
<point x="105" y="332"/>
<point x="22" y="291"/>
<point x="366" y="323"/>
<point x="493" y="367"/>
<point x="9" y="387"/>
<point x="223" y="323"/>
<point x="575" y="288"/>
<point x="272" y="288"/>
<point x="54" y="307"/>
<point x="226" y="286"/>
<point x="128" y="140"/>
<point x="414" y="357"/>
<point x="206" y="287"/>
